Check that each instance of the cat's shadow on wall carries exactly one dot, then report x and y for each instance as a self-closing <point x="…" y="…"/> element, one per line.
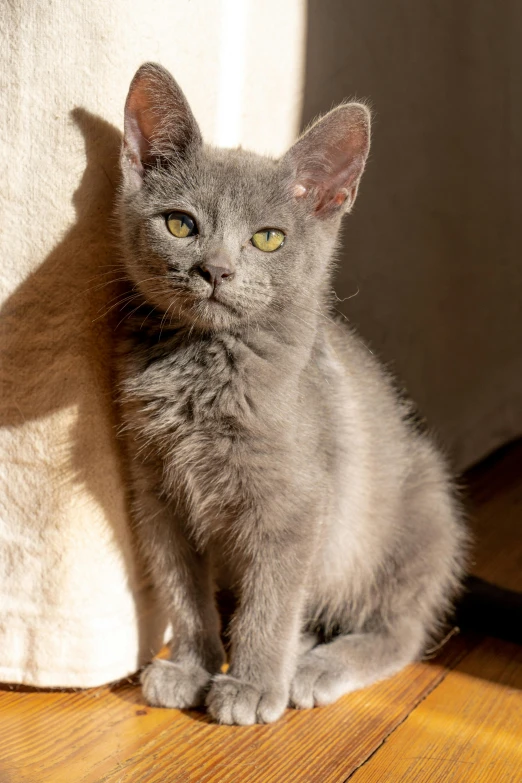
<point x="55" y="339"/>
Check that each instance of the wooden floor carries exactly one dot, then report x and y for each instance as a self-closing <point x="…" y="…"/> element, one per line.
<point x="456" y="717"/>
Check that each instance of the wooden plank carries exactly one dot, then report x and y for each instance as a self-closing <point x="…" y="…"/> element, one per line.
<point x="56" y="736"/>
<point x="109" y="735"/>
<point x="468" y="730"/>
<point x="319" y="745"/>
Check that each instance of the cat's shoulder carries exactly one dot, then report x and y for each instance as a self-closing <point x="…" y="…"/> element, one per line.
<point x="342" y="341"/>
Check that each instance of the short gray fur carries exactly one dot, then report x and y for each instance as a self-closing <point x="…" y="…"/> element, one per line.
<point x="268" y="451"/>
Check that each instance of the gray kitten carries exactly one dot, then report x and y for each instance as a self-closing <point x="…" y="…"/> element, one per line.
<point x="268" y="450"/>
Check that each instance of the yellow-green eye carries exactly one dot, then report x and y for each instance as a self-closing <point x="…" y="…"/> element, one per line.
<point x="181" y="225"/>
<point x="268" y="240"/>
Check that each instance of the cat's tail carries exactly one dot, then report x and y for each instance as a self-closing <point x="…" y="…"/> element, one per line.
<point x="488" y="609"/>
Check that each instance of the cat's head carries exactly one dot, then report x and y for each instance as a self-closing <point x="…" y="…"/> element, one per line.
<point x="221" y="238"/>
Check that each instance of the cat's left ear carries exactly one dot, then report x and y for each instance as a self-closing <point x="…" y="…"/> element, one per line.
<point x="329" y="159"/>
<point x="158" y="121"/>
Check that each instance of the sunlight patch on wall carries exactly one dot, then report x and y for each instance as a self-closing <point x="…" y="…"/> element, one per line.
<point x="232" y="69"/>
<point x="261" y="71"/>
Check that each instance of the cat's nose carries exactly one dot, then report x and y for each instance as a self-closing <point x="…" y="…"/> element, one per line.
<point x="214" y="274"/>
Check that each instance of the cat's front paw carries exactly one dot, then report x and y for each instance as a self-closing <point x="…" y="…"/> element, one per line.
<point x="317" y="682"/>
<point x="233" y="701"/>
<point x="168" y="684"/>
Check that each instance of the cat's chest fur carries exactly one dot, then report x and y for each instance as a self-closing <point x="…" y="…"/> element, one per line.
<point x="219" y="415"/>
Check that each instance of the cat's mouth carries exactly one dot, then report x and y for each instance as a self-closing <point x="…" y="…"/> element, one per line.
<point x="206" y="306"/>
<point x="217" y="303"/>
<point x="202" y="300"/>
<point x="216" y="299"/>
<point x="214" y="310"/>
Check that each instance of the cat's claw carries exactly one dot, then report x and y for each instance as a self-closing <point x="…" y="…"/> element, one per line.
<point x="168" y="684"/>
<point x="232" y="701"/>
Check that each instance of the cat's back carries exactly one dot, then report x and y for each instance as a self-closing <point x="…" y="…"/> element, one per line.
<point x="380" y="451"/>
<point x="362" y="388"/>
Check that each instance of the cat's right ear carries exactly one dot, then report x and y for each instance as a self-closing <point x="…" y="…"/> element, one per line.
<point x="158" y="122"/>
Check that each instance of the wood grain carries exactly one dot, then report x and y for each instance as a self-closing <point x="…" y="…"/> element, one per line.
<point x="110" y="735"/>
<point x="468" y="730"/>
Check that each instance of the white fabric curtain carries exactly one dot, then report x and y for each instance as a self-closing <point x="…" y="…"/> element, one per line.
<point x="76" y="609"/>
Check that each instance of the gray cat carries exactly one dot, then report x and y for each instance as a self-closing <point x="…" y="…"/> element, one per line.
<point x="268" y="450"/>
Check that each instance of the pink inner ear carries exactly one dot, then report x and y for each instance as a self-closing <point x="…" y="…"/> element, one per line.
<point x="134" y="142"/>
<point x="329" y="159"/>
<point x="341" y="188"/>
<point x="141" y="121"/>
<point x="158" y="119"/>
<point x="142" y="111"/>
<point x="335" y="191"/>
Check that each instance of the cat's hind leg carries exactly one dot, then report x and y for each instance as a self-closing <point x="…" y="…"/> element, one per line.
<point x="353" y="661"/>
